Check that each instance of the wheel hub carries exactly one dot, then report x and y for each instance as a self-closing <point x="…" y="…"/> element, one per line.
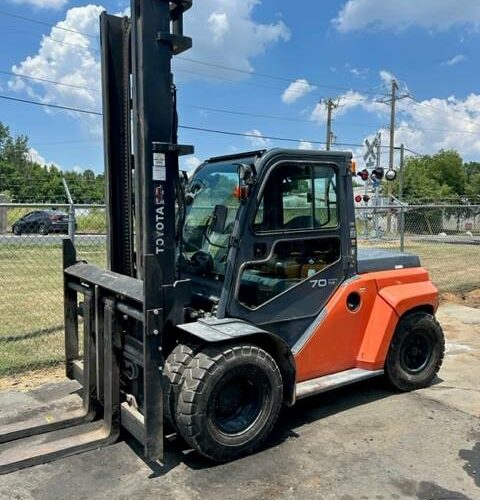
<point x="237" y="404"/>
<point x="416" y="352"/>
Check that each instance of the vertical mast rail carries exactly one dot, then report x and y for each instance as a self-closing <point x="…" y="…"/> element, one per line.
<point x="156" y="174"/>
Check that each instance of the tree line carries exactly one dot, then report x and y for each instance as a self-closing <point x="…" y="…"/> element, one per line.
<point x="440" y="178"/>
<point x="25" y="181"/>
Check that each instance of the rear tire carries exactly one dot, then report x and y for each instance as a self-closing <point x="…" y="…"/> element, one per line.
<point x="416" y="352"/>
<point x="17" y="231"/>
<point x="173" y="369"/>
<point x="43" y="229"/>
<point x="230" y="400"/>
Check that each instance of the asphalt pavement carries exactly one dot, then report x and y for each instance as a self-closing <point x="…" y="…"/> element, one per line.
<point x="357" y="443"/>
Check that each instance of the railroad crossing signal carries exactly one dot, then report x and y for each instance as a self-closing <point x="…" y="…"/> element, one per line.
<point x="370" y="156"/>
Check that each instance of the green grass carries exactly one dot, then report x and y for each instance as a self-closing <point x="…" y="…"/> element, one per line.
<point x="452" y="268"/>
<point x="31" y="294"/>
<point x="31" y="305"/>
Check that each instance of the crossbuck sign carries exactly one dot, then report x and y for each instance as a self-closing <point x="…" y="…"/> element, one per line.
<point x="370" y="156"/>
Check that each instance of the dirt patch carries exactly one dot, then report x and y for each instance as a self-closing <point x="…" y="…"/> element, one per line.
<point x="26" y="381"/>
<point x="471" y="298"/>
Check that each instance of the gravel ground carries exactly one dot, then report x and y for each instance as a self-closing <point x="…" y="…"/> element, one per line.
<point x="360" y="442"/>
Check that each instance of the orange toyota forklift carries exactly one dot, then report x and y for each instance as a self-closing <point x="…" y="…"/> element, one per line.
<point x="227" y="295"/>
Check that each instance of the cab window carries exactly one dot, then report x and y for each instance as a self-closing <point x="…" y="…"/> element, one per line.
<point x="298" y="197"/>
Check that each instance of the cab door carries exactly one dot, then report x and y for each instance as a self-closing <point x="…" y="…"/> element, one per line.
<point x="291" y="258"/>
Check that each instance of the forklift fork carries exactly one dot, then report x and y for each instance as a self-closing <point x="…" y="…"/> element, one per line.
<point x="40" y="439"/>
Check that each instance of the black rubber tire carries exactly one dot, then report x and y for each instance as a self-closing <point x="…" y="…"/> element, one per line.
<point x="424" y="327"/>
<point x="173" y="369"/>
<point x="17" y="231"/>
<point x="43" y="229"/>
<point x="197" y="413"/>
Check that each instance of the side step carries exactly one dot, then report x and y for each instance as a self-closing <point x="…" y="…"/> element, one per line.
<point x="333" y="381"/>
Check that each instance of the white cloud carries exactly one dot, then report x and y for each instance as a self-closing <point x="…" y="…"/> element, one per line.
<point x="226" y="33"/>
<point x="43" y="4"/>
<point x="218" y="23"/>
<point x="357" y="72"/>
<point x="71" y="59"/>
<point x="399" y="14"/>
<point x="223" y="31"/>
<point x="190" y="164"/>
<point x="257" y="140"/>
<point x="433" y="124"/>
<point x="296" y="90"/>
<point x="386" y="76"/>
<point x="455" y="60"/>
<point x="305" y="145"/>
<point x="345" y="102"/>
<point x="423" y="126"/>
<point x="35" y="157"/>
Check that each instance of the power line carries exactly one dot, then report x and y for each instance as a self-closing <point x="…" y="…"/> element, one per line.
<point x="48" y="105"/>
<point x="195" y="61"/>
<point x="63" y="42"/>
<point x="44" y="80"/>
<point x="199" y="129"/>
<point x="229" y="111"/>
<point x="43" y="23"/>
<point x="272" y="77"/>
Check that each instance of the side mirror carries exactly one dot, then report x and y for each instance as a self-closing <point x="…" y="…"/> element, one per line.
<point x="219" y="219"/>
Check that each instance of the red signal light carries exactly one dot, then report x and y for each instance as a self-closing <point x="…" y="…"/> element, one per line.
<point x="358" y="198"/>
<point x="363" y="174"/>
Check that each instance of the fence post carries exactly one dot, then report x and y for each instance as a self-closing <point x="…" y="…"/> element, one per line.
<point x="402" y="230"/>
<point x="71" y="222"/>
<point x="71" y="212"/>
<point x="3" y="214"/>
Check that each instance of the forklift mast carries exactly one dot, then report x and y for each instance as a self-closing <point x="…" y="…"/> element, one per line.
<point x="140" y="113"/>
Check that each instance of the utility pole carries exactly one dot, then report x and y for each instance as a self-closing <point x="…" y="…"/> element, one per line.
<point x="379" y="164"/>
<point x="394" y="97"/>
<point x="393" y="104"/>
<point x="331" y="105"/>
<point x="400" y="196"/>
<point x="402" y="171"/>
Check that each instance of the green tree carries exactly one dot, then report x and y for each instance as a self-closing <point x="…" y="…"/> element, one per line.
<point x="27" y="181"/>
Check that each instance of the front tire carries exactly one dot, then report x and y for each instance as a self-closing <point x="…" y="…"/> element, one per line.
<point x="230" y="400"/>
<point x="175" y="365"/>
<point x="416" y="352"/>
<point x="43" y="229"/>
<point x="17" y="231"/>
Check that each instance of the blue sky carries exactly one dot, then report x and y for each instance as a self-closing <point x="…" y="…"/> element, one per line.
<point x="347" y="50"/>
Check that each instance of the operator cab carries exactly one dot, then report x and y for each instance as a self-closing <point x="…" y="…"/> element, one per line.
<point x="268" y="231"/>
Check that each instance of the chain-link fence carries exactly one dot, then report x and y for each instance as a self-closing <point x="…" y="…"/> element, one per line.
<point x="447" y="239"/>
<point x="31" y="286"/>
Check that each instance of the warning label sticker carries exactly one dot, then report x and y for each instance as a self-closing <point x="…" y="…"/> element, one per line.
<point x="159" y="173"/>
<point x="159" y="159"/>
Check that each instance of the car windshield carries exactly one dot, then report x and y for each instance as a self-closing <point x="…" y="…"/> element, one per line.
<point x="204" y="247"/>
